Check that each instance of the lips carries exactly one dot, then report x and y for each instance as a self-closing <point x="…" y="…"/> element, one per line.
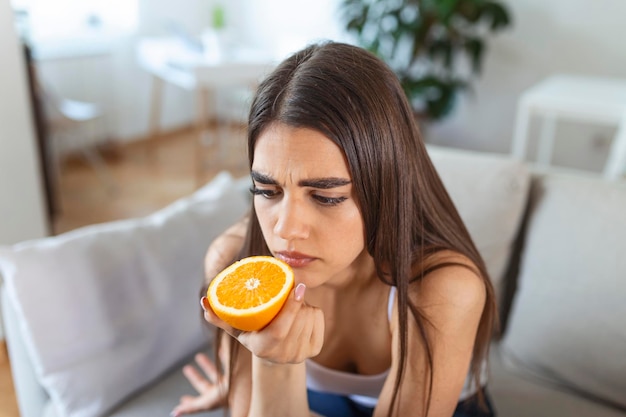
<point x="295" y="259"/>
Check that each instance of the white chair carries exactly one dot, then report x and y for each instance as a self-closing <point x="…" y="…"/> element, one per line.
<point x="566" y="97"/>
<point x="71" y="125"/>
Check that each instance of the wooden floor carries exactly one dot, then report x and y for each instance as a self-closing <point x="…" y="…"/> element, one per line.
<point x="8" y="404"/>
<point x="147" y="176"/>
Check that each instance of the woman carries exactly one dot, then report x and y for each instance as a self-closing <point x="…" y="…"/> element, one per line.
<point x="393" y="310"/>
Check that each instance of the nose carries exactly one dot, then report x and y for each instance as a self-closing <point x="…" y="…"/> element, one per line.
<point x="291" y="222"/>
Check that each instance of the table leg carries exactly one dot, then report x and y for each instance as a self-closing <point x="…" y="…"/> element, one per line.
<point x="520" y="134"/>
<point x="203" y="138"/>
<point x="616" y="163"/>
<point x="546" y="140"/>
<point x="155" y="113"/>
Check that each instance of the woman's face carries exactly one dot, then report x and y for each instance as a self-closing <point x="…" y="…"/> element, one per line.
<point x="304" y="200"/>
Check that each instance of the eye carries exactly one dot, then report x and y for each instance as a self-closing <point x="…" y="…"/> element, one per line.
<point x="267" y="193"/>
<point x="329" y="201"/>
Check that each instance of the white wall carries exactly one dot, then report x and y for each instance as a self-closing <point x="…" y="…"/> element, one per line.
<point x="276" y="26"/>
<point x="22" y="214"/>
<point x="570" y="36"/>
<point x="21" y="200"/>
<point x="573" y="36"/>
<point x="116" y="81"/>
<point x="285" y="26"/>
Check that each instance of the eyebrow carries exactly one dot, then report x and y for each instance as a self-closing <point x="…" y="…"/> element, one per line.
<point x="322" y="183"/>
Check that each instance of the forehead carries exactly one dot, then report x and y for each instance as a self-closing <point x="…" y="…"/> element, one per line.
<point x="282" y="148"/>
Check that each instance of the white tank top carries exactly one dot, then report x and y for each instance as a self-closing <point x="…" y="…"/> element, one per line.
<point x="365" y="389"/>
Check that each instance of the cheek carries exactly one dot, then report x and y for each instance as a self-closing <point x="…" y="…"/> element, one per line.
<point x="263" y="215"/>
<point x="347" y="237"/>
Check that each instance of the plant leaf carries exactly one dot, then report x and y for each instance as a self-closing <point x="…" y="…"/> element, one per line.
<point x="444" y="9"/>
<point x="469" y="10"/>
<point x="499" y="15"/>
<point x="431" y="34"/>
<point x="474" y="48"/>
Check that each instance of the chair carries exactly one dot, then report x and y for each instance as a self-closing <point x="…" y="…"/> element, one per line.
<point x="71" y="123"/>
<point x="566" y="97"/>
<point x="172" y="61"/>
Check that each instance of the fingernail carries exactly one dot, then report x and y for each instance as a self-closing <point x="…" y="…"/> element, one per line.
<point x="300" y="289"/>
<point x="203" y="300"/>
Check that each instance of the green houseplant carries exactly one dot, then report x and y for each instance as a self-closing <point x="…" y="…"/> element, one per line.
<point x="436" y="47"/>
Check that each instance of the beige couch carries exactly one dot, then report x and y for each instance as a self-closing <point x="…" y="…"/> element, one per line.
<point x="99" y="321"/>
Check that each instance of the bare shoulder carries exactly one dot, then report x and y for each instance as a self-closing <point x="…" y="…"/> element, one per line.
<point x="453" y="286"/>
<point x="450" y="299"/>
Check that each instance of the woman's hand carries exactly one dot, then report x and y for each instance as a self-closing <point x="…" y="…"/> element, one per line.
<point x="212" y="387"/>
<point x="295" y="334"/>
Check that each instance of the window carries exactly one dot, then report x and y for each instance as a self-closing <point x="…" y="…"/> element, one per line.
<point x="65" y="19"/>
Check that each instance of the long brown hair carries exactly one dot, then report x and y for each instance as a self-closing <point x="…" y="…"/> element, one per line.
<point x="355" y="100"/>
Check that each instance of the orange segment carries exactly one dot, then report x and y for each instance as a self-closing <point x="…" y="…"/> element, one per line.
<point x="249" y="293"/>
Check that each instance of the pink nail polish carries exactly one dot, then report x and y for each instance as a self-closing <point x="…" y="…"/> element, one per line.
<point x="300" y="289"/>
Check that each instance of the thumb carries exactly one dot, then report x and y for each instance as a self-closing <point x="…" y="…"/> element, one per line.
<point x="212" y="318"/>
<point x="299" y="292"/>
<point x="290" y="309"/>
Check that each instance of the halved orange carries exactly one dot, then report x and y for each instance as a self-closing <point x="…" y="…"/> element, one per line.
<point x="249" y="293"/>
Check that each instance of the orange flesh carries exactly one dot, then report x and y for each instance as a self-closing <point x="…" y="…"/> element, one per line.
<point x="242" y="290"/>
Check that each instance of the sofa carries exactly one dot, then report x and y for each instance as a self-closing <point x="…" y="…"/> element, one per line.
<point x="100" y="320"/>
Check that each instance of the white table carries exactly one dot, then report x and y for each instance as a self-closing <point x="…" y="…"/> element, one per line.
<point x="577" y="98"/>
<point x="169" y="60"/>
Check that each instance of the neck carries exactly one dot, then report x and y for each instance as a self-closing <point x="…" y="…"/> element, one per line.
<point x="348" y="285"/>
<point x="357" y="276"/>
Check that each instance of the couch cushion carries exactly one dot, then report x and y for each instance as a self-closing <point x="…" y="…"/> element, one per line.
<point x="490" y="192"/>
<point x="518" y="394"/>
<point x="567" y="318"/>
<point x="156" y="399"/>
<point x="106" y="309"/>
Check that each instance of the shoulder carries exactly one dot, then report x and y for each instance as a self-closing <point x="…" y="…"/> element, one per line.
<point x="440" y="338"/>
<point x="452" y="292"/>
<point x="450" y="277"/>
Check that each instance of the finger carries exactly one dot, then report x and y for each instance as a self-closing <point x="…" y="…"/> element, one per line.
<point x="208" y="367"/>
<point x="287" y="325"/>
<point x="187" y="399"/>
<point x="211" y="317"/>
<point x="287" y="315"/>
<point x="307" y="328"/>
<point x="299" y="291"/>
<point x="194" y="377"/>
<point x="308" y="331"/>
<point x="187" y="405"/>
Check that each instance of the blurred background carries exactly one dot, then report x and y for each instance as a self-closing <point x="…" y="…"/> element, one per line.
<point x="113" y="109"/>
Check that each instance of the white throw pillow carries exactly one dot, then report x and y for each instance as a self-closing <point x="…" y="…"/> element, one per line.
<point x="490" y="192"/>
<point x="567" y="320"/>
<point x="106" y="309"/>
